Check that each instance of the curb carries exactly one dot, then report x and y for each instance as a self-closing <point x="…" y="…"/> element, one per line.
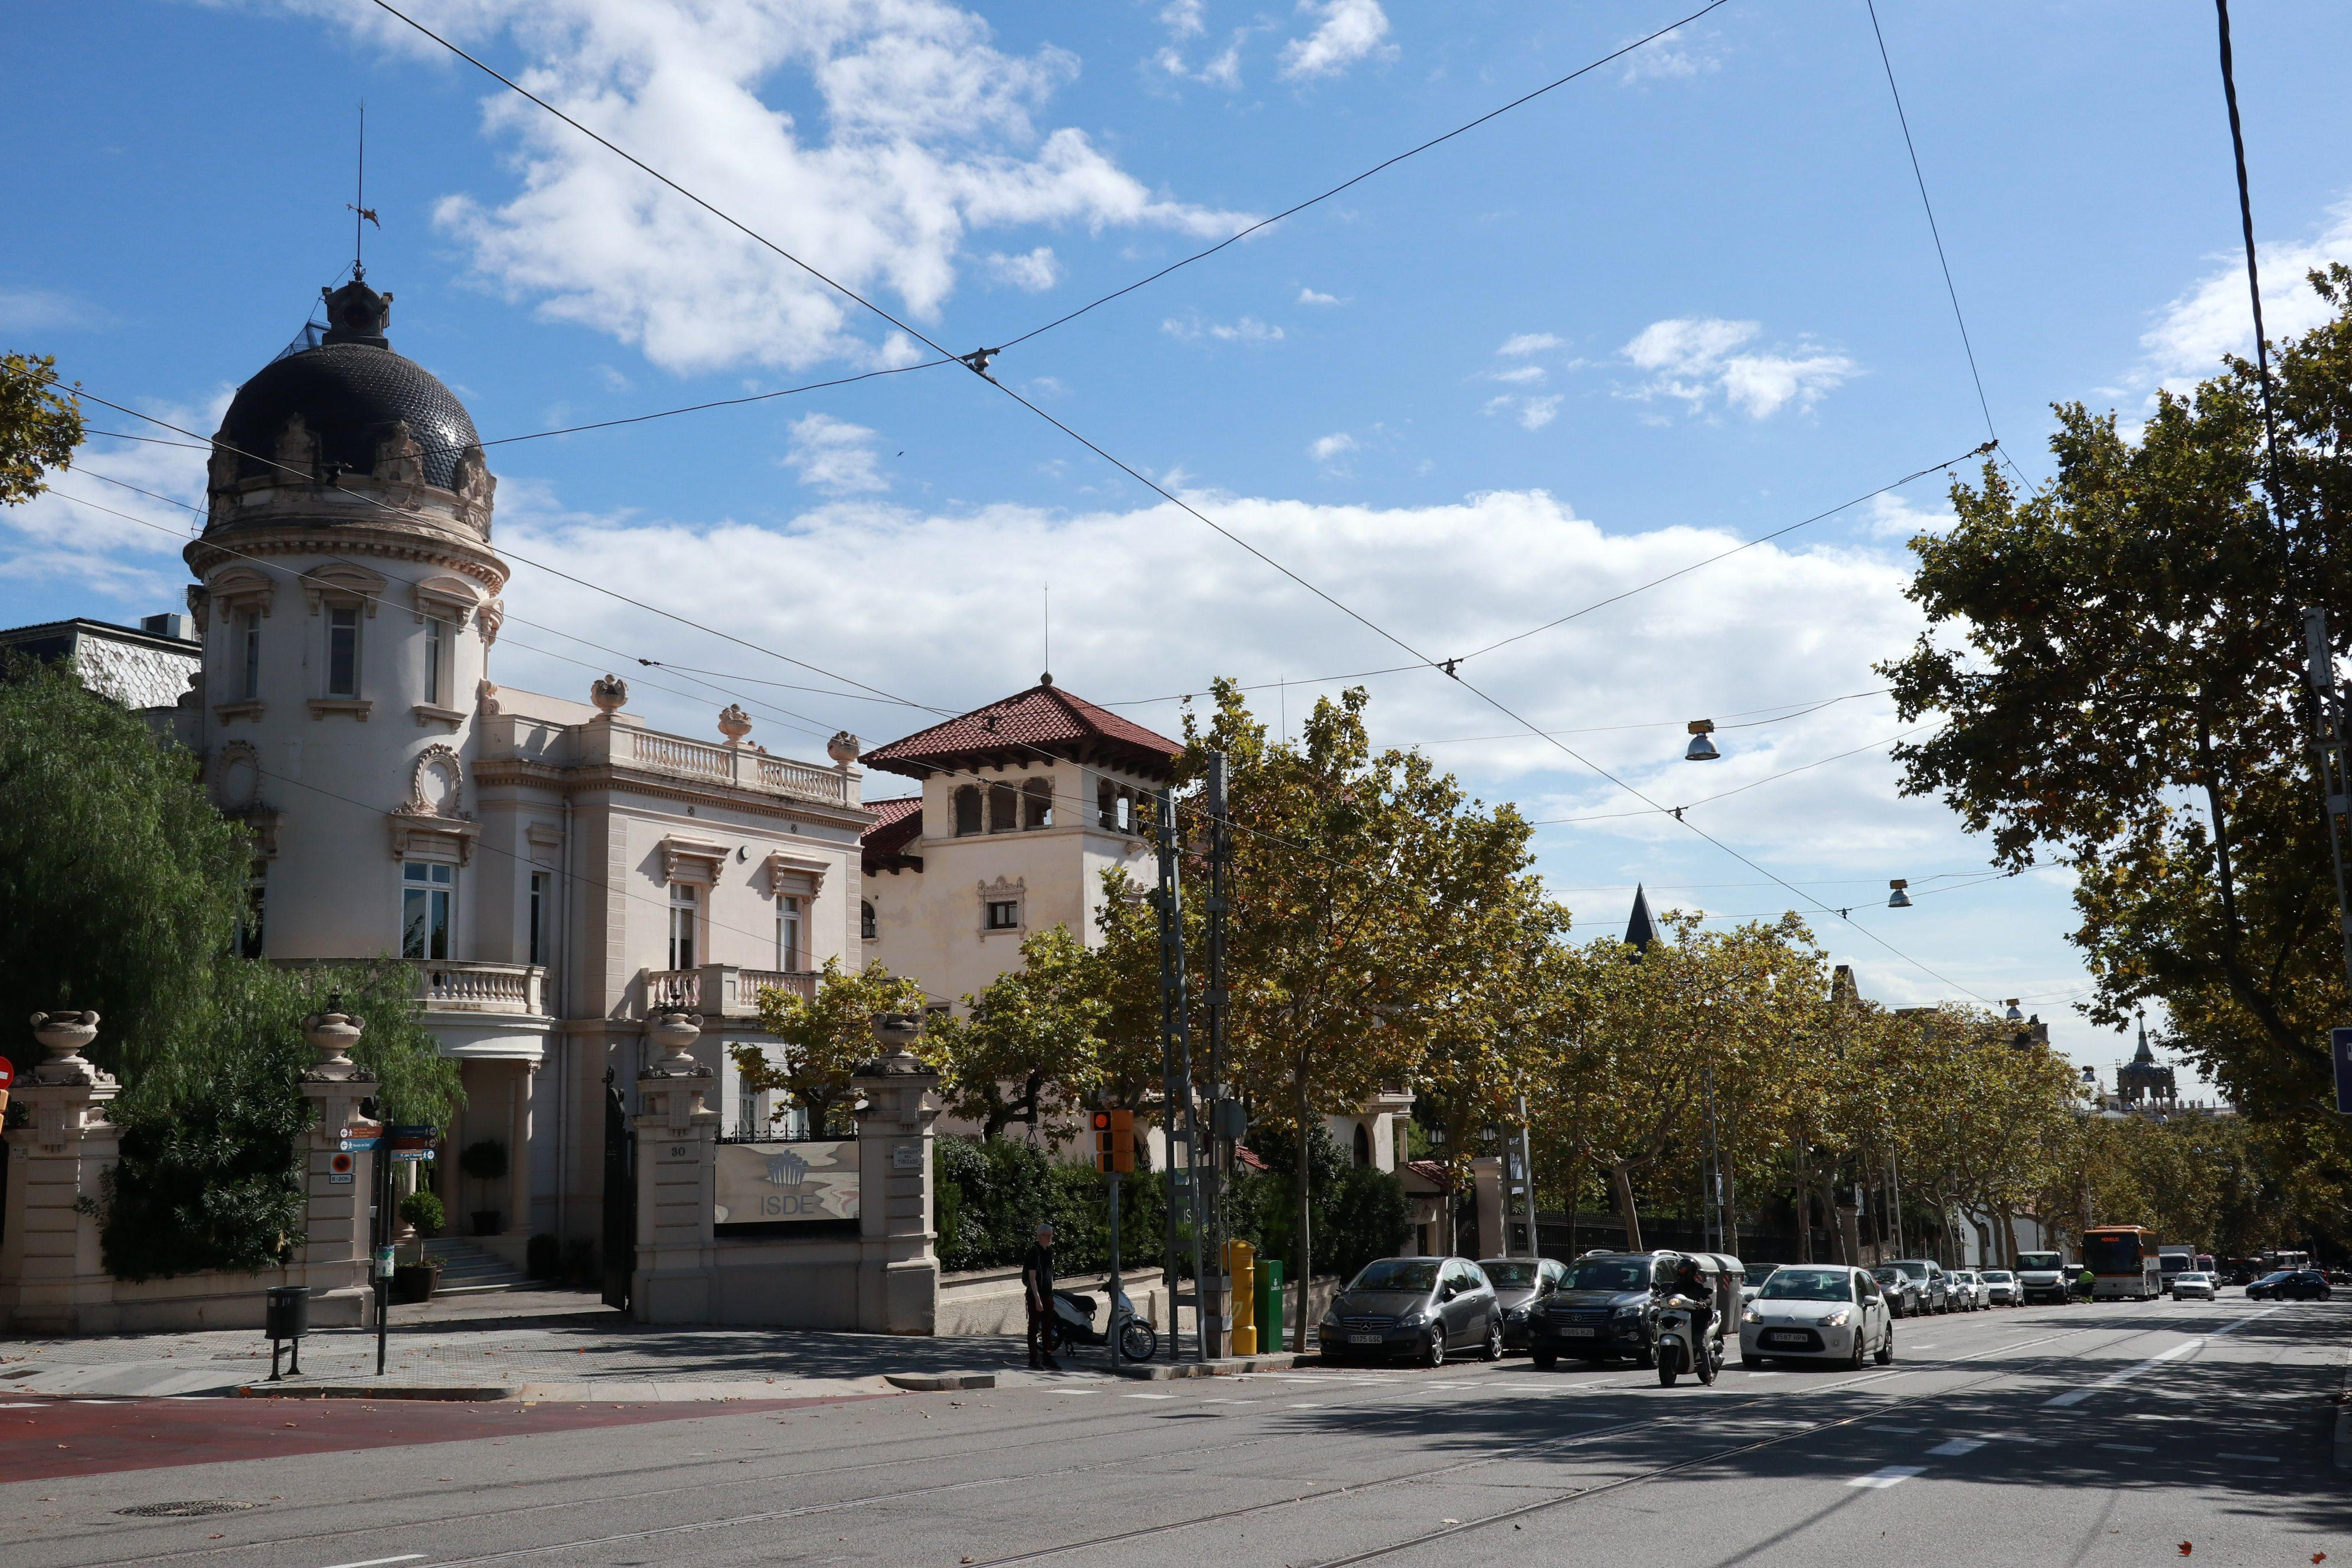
<point x="2344" y="1418"/>
<point x="455" y="1392"/>
<point x="939" y="1382"/>
<point x="1224" y="1366"/>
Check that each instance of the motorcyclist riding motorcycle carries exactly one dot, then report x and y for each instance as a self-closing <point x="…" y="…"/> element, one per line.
<point x="1690" y="1282"/>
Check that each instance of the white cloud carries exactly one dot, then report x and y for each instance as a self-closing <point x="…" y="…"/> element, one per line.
<point x="1183" y="18"/>
<point x="1538" y="412"/>
<point x="1692" y="359"/>
<point x="1345" y="31"/>
<point x="924" y="134"/>
<point x="1527" y="344"/>
<point x="1035" y="271"/>
<point x="1248" y="330"/>
<point x="1309" y="296"/>
<point x="1899" y="517"/>
<point x="834" y="455"/>
<point x="1671" y="58"/>
<point x="47" y="311"/>
<point x="2215" y="317"/>
<point x="1325" y="448"/>
<point x="1519" y="374"/>
<point x="109" y="538"/>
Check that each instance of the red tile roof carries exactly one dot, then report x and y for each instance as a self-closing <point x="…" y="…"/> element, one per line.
<point x="897" y="822"/>
<point x="1042" y="719"/>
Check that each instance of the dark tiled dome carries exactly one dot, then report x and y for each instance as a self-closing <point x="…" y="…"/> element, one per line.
<point x="350" y="391"/>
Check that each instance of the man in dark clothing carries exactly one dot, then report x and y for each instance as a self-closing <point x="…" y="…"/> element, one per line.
<point x="1691" y="1281"/>
<point x="1037" y="1292"/>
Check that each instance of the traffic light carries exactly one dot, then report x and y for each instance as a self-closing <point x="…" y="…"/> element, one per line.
<point x="1114" y="1142"/>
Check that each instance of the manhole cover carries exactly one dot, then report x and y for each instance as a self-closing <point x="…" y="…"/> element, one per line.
<point x="185" y="1510"/>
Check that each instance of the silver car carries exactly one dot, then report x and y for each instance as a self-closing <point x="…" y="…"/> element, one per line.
<point x="1967" y="1287"/>
<point x="2001" y="1289"/>
<point x="2192" y="1285"/>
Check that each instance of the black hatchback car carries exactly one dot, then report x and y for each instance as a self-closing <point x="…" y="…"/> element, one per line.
<point x="1417" y="1307"/>
<point x="2291" y="1285"/>
<point x="1606" y="1306"/>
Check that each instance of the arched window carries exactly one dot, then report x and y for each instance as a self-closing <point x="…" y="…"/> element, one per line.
<point x="1004" y="808"/>
<point x="1363" y="1144"/>
<point x="1107" y="802"/>
<point x="866" y="919"/>
<point x="967" y="810"/>
<point x="1126" y="811"/>
<point x="1037" y="803"/>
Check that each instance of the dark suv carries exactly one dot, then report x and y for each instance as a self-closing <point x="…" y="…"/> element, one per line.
<point x="1606" y="1305"/>
<point x="1924" y="1287"/>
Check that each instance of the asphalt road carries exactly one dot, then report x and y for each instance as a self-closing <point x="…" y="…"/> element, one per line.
<point x="2109" y="1433"/>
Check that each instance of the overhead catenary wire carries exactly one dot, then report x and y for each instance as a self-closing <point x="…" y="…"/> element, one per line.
<point x="1737" y="789"/>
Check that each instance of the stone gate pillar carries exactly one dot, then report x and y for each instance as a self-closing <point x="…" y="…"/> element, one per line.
<point x="678" y="1158"/>
<point x="52" y="1277"/>
<point x="898" y="1275"/>
<point x="333" y="1260"/>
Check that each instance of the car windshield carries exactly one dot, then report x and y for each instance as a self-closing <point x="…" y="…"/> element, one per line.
<point x="1399" y="1274"/>
<point x="1997" y="1277"/>
<point x="1887" y="1276"/>
<point x="2037" y="1260"/>
<point x="1608" y="1274"/>
<point x="1916" y="1270"/>
<point x="2281" y="1273"/>
<point x="2112" y="1254"/>
<point x="1759" y="1272"/>
<point x="1510" y="1273"/>
<point x="2188" y="1277"/>
<point x="1809" y="1285"/>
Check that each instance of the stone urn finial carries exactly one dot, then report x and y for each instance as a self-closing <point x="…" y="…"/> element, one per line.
<point x="896" y="1033"/>
<point x="609" y="693"/>
<point x="332" y="1034"/>
<point x="676" y="1032"/>
<point x="63" y="1035"/>
<point x="734" y="723"/>
<point x="843" y="748"/>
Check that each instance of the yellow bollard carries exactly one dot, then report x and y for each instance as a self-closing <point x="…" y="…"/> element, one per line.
<point x="1241" y="1297"/>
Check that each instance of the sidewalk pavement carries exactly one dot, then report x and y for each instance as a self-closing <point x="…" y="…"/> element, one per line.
<point x="531" y="1345"/>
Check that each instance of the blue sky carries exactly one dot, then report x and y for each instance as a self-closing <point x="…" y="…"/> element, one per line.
<point x="1685" y="299"/>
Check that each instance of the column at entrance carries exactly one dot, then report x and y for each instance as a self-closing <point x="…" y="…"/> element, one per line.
<point x="333" y="1262"/>
<point x="677" y="1135"/>
<point x="53" y="1279"/>
<point x="898" y="1274"/>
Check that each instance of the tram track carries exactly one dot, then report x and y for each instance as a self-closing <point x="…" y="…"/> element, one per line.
<point x="904" y="1494"/>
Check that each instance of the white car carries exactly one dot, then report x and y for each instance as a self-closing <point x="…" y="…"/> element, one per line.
<point x="2189" y="1285"/>
<point x="2001" y="1289"/>
<point x="1968" y="1290"/>
<point x="1809" y="1312"/>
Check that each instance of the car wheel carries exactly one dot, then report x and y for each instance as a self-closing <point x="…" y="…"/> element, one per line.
<point x="1493" y="1349"/>
<point x="1853" y="1361"/>
<point x="1887" y="1347"/>
<point x="1432" y="1353"/>
<point x="1545" y="1361"/>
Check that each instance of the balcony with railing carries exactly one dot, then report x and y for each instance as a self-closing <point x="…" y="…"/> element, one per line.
<point x="721" y="989"/>
<point x="447" y="986"/>
<point x="737" y="766"/>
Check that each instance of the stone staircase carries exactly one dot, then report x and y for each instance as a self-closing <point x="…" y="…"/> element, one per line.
<point x="470" y="1270"/>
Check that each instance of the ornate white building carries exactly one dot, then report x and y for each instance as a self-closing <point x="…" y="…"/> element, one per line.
<point x="555" y="868"/>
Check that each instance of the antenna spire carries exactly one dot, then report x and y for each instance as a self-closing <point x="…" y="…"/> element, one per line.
<point x="362" y="212"/>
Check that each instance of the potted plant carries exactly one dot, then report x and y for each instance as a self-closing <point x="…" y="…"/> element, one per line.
<point x="414" y="1281"/>
<point x="485" y="1161"/>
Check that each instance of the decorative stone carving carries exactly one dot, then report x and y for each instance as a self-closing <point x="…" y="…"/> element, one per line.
<point x="298" y="449"/>
<point x="400" y="456"/>
<point x="444" y="598"/>
<point x="608" y="694"/>
<point x="220" y="468"/>
<point x="490" y="617"/>
<point x="63" y="1035"/>
<point x="476" y="485"/>
<point x="791" y="875"/>
<point x="436" y="784"/>
<point x="332" y="1034"/>
<point x="342" y="580"/>
<point x="676" y="1033"/>
<point x="236" y="777"/>
<point x="897" y="1034"/>
<point x="843" y="748"/>
<point x="734" y="723"/>
<point x="691" y="860"/>
<point x="486" y="698"/>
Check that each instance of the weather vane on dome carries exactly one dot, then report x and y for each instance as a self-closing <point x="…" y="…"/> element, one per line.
<point x="363" y="213"/>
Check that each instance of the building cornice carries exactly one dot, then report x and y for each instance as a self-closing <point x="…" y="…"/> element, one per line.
<point x="513" y="770"/>
<point x="390" y="539"/>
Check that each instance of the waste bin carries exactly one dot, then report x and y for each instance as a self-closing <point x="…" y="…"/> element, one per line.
<point x="285" y="1316"/>
<point x="1241" y="1273"/>
<point x="1270" y="1302"/>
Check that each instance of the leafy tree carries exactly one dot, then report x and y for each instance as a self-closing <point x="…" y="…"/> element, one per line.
<point x="1027" y="1048"/>
<point x="824" y="1037"/>
<point x="40" y="425"/>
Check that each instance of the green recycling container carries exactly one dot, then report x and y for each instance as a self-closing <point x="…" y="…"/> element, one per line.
<point x="1271" y="1324"/>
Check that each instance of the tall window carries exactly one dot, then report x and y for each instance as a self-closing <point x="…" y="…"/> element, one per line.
<point x="1004" y="808"/>
<point x="867" y="926"/>
<point x="542" y="886"/>
<point x="250" y="635"/>
<point x="685" y="904"/>
<point x="436" y="654"/>
<point x="1037" y="803"/>
<point x="249" y="922"/>
<point x="787" y="934"/>
<point x="967" y="810"/>
<point x="1107" y="802"/>
<point x="342" y="650"/>
<point x="427" y="890"/>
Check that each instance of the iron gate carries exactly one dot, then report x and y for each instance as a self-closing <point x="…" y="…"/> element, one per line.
<point x="619" y="1253"/>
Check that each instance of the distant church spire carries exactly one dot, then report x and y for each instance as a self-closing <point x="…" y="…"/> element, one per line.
<point x="1641" y="931"/>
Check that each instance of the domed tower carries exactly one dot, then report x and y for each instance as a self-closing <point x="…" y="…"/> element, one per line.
<point x="347" y="596"/>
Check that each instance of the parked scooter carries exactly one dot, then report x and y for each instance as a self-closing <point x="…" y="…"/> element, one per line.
<point x="1074" y="1324"/>
<point x="1681" y="1348"/>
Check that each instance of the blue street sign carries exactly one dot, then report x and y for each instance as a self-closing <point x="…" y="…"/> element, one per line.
<point x="358" y="1145"/>
<point x="2340" y="1043"/>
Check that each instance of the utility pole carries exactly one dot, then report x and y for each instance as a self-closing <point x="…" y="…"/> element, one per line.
<point x="1713" y="1157"/>
<point x="1215" y="1172"/>
<point x="1895" y="1180"/>
<point x="2321" y="672"/>
<point x="1177" y="1104"/>
<point x="1527" y="1178"/>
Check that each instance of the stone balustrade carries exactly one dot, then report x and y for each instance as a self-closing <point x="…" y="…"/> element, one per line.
<point x="459" y="986"/>
<point x="721" y="990"/>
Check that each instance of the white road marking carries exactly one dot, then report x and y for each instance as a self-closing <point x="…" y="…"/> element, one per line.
<point x="1147" y="1396"/>
<point x="1310" y="1405"/>
<point x="1957" y="1446"/>
<point x="2113" y="1378"/>
<point x="2252" y="1458"/>
<point x="1888" y="1476"/>
<point x="379" y="1562"/>
<point x="2125" y="1448"/>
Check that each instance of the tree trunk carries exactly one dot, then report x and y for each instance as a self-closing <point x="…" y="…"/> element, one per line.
<point x="1621" y="1181"/>
<point x="1804" y="1208"/>
<point x="1302" y="1246"/>
<point x="1849" y="1236"/>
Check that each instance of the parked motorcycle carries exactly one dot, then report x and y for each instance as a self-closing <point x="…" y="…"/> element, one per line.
<point x="1074" y="1324"/>
<point x="1680" y="1347"/>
